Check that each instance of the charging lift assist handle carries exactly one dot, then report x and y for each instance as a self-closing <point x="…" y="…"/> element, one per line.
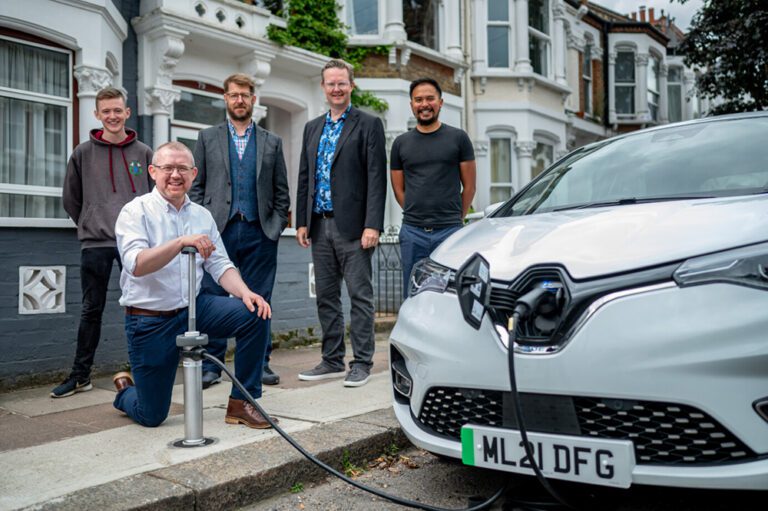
<point x="191" y="343"/>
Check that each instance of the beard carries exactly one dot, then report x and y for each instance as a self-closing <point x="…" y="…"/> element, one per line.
<point x="240" y="118"/>
<point x="427" y="122"/>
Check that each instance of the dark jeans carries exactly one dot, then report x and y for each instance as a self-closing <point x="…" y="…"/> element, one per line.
<point x="154" y="355"/>
<point x="255" y="255"/>
<point x="416" y="243"/>
<point x="95" y="270"/>
<point x="335" y="259"/>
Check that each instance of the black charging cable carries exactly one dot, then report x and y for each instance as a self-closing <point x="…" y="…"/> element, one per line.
<point x="393" y="498"/>
<point x="525" y="305"/>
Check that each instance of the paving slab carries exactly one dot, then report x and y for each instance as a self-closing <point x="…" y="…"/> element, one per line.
<point x="37" y="401"/>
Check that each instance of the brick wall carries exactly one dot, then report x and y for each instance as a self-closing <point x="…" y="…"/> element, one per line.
<point x="377" y="66"/>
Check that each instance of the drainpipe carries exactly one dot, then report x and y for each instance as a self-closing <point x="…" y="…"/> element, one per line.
<point x="607" y="26"/>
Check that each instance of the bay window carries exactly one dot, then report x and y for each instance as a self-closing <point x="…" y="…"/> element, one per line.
<point x="35" y="115"/>
<point x="624" y="88"/>
<point x="539" y="40"/>
<point x="653" y="87"/>
<point x="675" y="94"/>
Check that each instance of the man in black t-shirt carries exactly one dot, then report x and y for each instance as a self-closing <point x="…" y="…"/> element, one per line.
<point x="433" y="177"/>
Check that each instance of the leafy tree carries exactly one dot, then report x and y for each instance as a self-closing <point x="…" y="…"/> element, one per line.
<point x="314" y="25"/>
<point x="728" y="41"/>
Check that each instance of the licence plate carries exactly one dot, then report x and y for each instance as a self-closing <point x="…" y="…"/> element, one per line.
<point x="572" y="458"/>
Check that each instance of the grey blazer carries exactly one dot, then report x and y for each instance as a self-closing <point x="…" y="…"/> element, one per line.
<point x="212" y="187"/>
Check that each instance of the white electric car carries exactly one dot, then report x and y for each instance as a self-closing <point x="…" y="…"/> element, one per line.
<point x="647" y="363"/>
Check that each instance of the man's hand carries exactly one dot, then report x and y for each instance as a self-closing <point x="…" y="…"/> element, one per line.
<point x="201" y="242"/>
<point x="370" y="238"/>
<point x="256" y="303"/>
<point x="302" y="237"/>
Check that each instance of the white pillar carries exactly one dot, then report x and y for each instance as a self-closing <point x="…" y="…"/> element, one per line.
<point x="160" y="101"/>
<point x="90" y="80"/>
<point x="663" y="100"/>
<point x="452" y="30"/>
<point x="612" y="88"/>
<point x="394" y="28"/>
<point x="558" y="42"/>
<point x="522" y="56"/>
<point x="641" y="87"/>
<point x="524" y="154"/>
<point x="479" y="35"/>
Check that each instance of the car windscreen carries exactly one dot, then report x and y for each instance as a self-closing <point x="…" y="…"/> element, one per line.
<point x="708" y="159"/>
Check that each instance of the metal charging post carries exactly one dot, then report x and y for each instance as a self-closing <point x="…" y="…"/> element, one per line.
<point x="191" y="343"/>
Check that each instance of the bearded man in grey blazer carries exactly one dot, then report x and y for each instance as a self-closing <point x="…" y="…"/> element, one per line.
<point x="242" y="181"/>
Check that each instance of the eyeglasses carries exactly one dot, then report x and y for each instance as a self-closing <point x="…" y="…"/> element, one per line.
<point x="169" y="169"/>
<point x="234" y="96"/>
<point x="333" y="85"/>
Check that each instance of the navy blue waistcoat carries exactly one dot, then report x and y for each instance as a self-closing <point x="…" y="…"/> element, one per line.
<point x="243" y="175"/>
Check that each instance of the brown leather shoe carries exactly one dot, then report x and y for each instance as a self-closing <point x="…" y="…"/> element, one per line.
<point x="242" y="412"/>
<point x="122" y="380"/>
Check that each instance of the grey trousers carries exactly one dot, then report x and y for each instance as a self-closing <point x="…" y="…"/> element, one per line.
<point x="336" y="258"/>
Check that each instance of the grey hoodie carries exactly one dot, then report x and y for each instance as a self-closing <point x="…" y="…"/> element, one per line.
<point x="101" y="178"/>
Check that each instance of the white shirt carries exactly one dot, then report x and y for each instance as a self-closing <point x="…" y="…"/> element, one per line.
<point x="148" y="221"/>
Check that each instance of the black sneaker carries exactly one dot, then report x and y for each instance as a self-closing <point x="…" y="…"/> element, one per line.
<point x="69" y="386"/>
<point x="210" y="378"/>
<point x="268" y="376"/>
<point x="357" y="376"/>
<point x="321" y="372"/>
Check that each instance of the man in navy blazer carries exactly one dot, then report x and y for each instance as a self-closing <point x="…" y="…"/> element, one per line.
<point x="242" y="181"/>
<point x="340" y="209"/>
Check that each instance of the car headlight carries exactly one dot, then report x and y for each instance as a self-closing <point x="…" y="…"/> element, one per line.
<point x="427" y="275"/>
<point x="745" y="266"/>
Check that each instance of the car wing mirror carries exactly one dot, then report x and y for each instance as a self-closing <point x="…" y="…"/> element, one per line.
<point x="473" y="286"/>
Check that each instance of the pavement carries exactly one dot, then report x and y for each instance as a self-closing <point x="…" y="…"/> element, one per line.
<point x="79" y="453"/>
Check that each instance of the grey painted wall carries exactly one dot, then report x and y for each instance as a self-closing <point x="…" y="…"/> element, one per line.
<point x="42" y="346"/>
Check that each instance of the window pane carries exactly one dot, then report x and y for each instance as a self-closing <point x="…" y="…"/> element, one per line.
<point x="498" y="10"/>
<point x="538" y="15"/>
<point x="200" y="109"/>
<point x="675" y="75"/>
<point x="625" y="100"/>
<point x="587" y="63"/>
<point x="33" y="143"/>
<point x="538" y="55"/>
<point x="675" y="100"/>
<point x="501" y="163"/>
<point x="363" y="16"/>
<point x="653" y="74"/>
<point x="625" y="67"/>
<point x="189" y="142"/>
<point x="498" y="46"/>
<point x="420" y="18"/>
<point x="31" y="206"/>
<point x="587" y="96"/>
<point x="542" y="158"/>
<point x="34" y="69"/>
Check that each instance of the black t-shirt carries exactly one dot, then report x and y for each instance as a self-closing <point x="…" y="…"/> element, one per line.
<point x="430" y="165"/>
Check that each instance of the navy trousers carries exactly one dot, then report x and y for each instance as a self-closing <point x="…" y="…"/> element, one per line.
<point x="255" y="255"/>
<point x="154" y="355"/>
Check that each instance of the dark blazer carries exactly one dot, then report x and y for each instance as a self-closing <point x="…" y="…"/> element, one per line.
<point x="212" y="187"/>
<point x="358" y="174"/>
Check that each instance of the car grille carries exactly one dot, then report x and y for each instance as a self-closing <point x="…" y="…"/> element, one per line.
<point x="662" y="433"/>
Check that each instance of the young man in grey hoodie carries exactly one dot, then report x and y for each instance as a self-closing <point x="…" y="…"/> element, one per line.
<point x="103" y="174"/>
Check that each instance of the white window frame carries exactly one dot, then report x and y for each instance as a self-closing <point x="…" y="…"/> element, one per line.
<point x="500" y="23"/>
<point x="511" y="184"/>
<point x="41" y="191"/>
<point x="653" y="94"/>
<point x="632" y="84"/>
<point x="381" y="5"/>
<point x="679" y="84"/>
<point x="534" y="33"/>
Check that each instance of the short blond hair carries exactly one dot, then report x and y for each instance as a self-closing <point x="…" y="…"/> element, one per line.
<point x="338" y="64"/>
